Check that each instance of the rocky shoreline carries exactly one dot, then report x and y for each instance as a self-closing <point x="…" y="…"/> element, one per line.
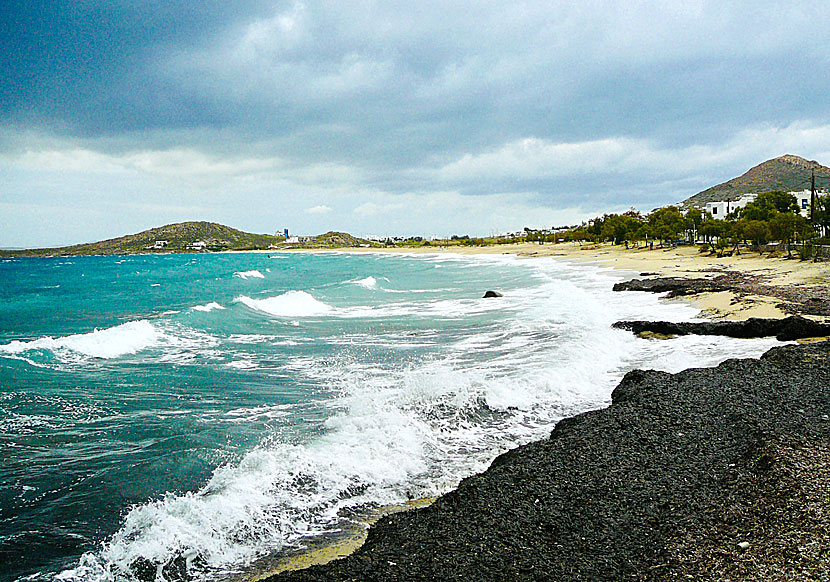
<point x="785" y="329"/>
<point x="794" y="299"/>
<point x="709" y="474"/>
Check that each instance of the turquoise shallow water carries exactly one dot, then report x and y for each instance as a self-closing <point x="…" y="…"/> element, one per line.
<point x="197" y="412"/>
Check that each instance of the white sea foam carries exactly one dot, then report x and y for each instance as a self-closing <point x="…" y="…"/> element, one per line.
<point x="242" y="364"/>
<point x="367" y="283"/>
<point x="253" y="274"/>
<point x="290" y="304"/>
<point x="127" y="338"/>
<point x="207" y="307"/>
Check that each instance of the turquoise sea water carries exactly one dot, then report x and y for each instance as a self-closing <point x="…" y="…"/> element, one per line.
<point x="192" y="413"/>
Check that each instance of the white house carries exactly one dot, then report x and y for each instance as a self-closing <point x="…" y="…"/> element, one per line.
<point x="803" y="198"/>
<point x="720" y="208"/>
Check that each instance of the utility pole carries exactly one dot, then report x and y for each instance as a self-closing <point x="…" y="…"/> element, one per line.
<point x="813" y="196"/>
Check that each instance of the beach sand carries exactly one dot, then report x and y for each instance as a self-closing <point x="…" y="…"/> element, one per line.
<point x="329" y="549"/>
<point x="684" y="262"/>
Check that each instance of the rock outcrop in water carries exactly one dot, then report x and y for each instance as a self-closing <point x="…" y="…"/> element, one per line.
<point x="786" y="329"/>
<point x="708" y="474"/>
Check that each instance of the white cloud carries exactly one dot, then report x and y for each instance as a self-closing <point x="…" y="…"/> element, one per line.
<point x="319" y="209"/>
<point x="538" y="159"/>
<point x="174" y="162"/>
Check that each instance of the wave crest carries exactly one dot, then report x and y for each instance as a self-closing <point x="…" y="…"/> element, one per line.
<point x="290" y="304"/>
<point x="127" y="338"/>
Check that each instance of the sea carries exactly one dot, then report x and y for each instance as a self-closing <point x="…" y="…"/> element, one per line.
<point x="187" y="416"/>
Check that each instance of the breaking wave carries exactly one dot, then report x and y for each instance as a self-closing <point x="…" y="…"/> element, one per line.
<point x="127" y="338"/>
<point x="253" y="274"/>
<point x="290" y="304"/>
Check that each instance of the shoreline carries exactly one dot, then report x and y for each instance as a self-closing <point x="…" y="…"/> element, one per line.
<point x="762" y="294"/>
<point x="327" y="548"/>
<point x="680" y="262"/>
<point x="707" y="474"/>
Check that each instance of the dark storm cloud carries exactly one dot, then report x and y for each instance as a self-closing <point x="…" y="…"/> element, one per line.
<point x="582" y="106"/>
<point x="83" y="64"/>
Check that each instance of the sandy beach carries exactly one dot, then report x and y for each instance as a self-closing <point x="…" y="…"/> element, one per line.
<point x="770" y="280"/>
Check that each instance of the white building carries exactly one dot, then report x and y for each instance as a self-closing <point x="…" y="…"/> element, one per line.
<point x="803" y="198"/>
<point x="721" y="208"/>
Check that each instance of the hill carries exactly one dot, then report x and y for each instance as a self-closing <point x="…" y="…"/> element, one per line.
<point x="337" y="239"/>
<point x="177" y="237"/>
<point x="783" y="173"/>
<point x="189" y="237"/>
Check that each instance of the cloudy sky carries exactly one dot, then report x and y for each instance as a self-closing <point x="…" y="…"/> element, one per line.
<point x="391" y="117"/>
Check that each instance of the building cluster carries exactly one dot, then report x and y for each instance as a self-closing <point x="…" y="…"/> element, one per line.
<point x="722" y="208"/>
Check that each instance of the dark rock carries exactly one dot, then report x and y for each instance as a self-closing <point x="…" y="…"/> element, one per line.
<point x="658" y="486"/>
<point x="675" y="286"/>
<point x="786" y="329"/>
<point x="489" y="294"/>
<point x="797" y="299"/>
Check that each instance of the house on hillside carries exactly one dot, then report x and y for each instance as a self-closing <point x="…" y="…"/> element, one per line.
<point x="721" y="208"/>
<point x="160" y="244"/>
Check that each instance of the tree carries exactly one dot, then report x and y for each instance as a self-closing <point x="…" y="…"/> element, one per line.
<point x="694" y="218"/>
<point x="754" y="230"/>
<point x="713" y="230"/>
<point x="783" y="227"/>
<point x="766" y="204"/>
<point x="666" y="222"/>
<point x="821" y="214"/>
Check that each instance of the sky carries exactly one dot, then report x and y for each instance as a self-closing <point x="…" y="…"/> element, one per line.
<point x="378" y="118"/>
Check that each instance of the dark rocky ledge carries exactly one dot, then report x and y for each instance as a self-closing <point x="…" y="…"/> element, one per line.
<point x="786" y="329"/>
<point x="795" y="299"/>
<point x="709" y="474"/>
<point x="675" y="286"/>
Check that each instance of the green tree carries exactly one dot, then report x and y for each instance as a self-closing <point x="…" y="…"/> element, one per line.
<point x="783" y="227"/>
<point x="756" y="231"/>
<point x="767" y="204"/>
<point x="713" y="230"/>
<point x="821" y="214"/>
<point x="694" y="218"/>
<point x="666" y="223"/>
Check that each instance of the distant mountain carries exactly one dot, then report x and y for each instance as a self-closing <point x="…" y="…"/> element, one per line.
<point x="170" y="238"/>
<point x="787" y="173"/>
<point x="188" y="236"/>
<point x="337" y="239"/>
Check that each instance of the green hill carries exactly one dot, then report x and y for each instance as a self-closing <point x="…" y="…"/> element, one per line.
<point x="178" y="237"/>
<point x="338" y="239"/>
<point x="190" y="237"/>
<point x="789" y="173"/>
